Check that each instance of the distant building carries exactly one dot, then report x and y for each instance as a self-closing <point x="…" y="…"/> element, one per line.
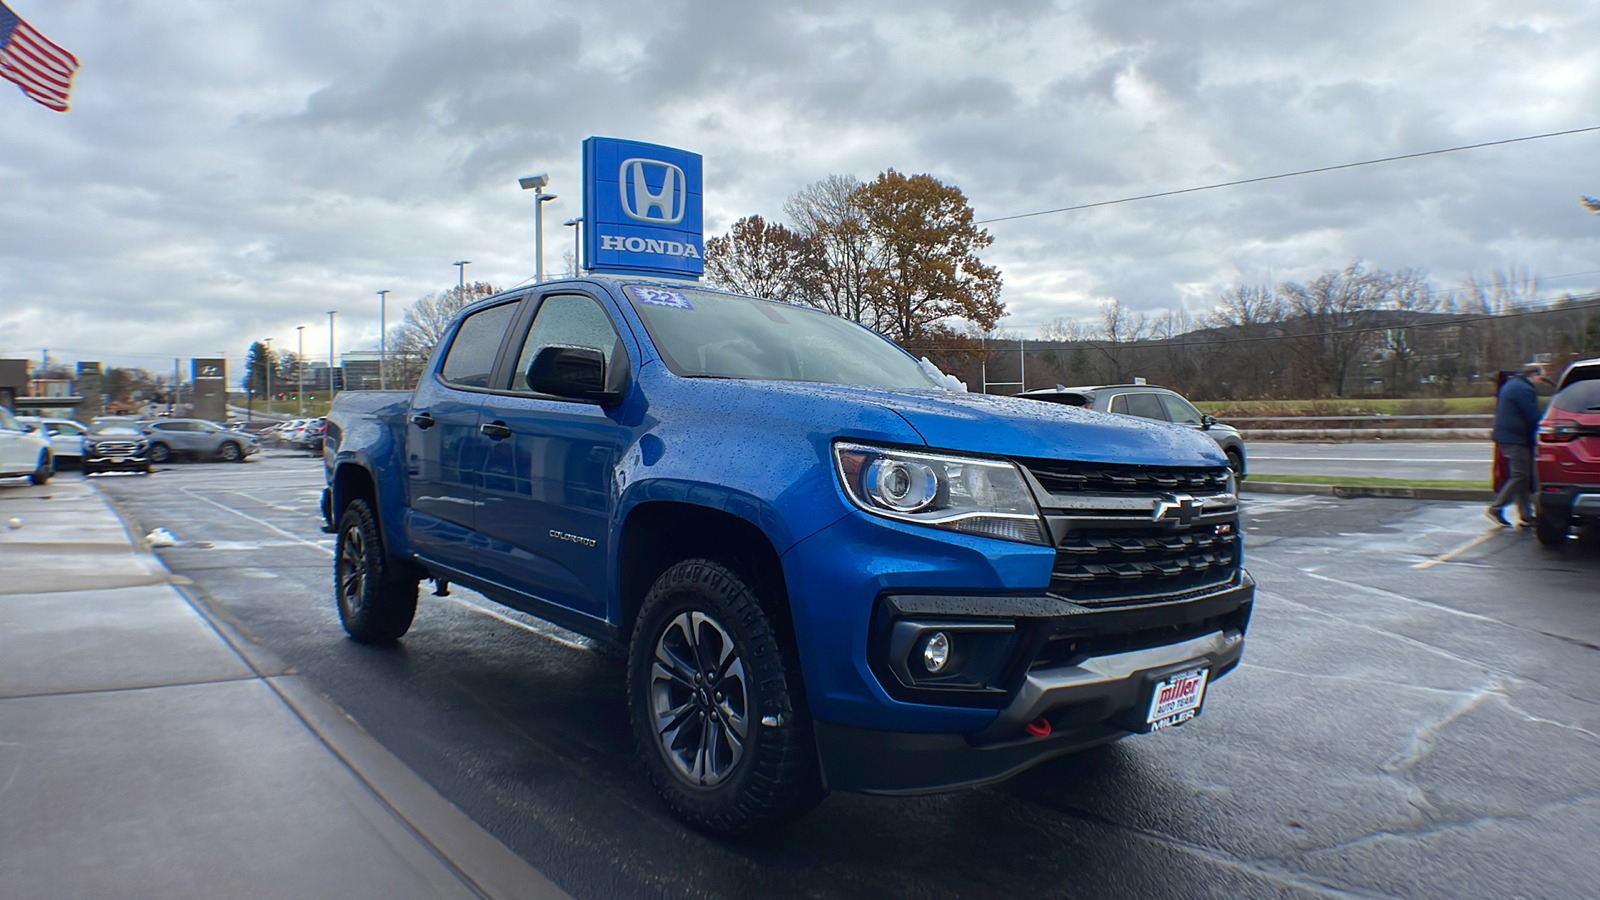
<point x="362" y="370"/>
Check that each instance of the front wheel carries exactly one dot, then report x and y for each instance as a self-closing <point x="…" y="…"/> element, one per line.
<point x="160" y="453"/>
<point x="46" y="468"/>
<point x="718" y="710"/>
<point x="1236" y="462"/>
<point x="230" y="452"/>
<point x="376" y="601"/>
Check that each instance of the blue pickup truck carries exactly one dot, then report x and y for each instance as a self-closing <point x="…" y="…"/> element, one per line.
<point x="826" y="570"/>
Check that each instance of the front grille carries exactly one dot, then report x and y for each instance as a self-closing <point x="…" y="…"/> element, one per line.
<point x="1097" y="565"/>
<point x="1059" y="477"/>
<point x="116" y="448"/>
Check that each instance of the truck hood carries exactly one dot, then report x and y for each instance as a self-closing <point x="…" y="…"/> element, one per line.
<point x="1011" y="426"/>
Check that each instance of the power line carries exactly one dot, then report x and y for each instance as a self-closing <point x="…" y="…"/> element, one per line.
<point x="1212" y="187"/>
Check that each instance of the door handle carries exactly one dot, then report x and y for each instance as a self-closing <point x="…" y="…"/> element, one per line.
<point x="422" y="420"/>
<point x="496" y="430"/>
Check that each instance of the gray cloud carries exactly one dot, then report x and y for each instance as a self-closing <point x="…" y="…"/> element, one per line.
<point x="230" y="172"/>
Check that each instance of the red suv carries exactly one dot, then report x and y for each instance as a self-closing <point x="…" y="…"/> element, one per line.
<point x="1567" y="462"/>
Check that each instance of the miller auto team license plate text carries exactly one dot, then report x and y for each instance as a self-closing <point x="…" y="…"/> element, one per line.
<point x="1178" y="699"/>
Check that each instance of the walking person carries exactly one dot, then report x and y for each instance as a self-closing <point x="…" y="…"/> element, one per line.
<point x="1516" y="421"/>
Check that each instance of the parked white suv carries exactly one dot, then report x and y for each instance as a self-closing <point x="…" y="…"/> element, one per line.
<point x="24" y="450"/>
<point x="66" y="438"/>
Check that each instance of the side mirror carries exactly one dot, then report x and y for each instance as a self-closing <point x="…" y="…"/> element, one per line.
<point x="30" y="429"/>
<point x="1206" y="421"/>
<point x="576" y="372"/>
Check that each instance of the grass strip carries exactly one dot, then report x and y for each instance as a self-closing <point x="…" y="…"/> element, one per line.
<point x="1351" y="481"/>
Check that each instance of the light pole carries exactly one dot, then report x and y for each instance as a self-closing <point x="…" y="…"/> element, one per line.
<point x="300" y="366"/>
<point x="331" y="359"/>
<point x="268" y="342"/>
<point x="577" y="244"/>
<point x="461" y="272"/>
<point x="383" y="340"/>
<point x="536" y="183"/>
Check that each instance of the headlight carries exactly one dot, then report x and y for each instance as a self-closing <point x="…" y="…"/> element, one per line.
<point x="973" y="496"/>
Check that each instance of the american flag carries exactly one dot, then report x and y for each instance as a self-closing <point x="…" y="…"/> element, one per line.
<point x="42" y="69"/>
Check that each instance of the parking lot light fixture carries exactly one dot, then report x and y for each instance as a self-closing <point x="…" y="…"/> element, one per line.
<point x="577" y="244"/>
<point x="461" y="274"/>
<point x="300" y="367"/>
<point x="537" y="184"/>
<point x="383" y="340"/>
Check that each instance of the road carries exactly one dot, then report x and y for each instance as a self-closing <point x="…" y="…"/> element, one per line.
<point x="1442" y="460"/>
<point x="1416" y="716"/>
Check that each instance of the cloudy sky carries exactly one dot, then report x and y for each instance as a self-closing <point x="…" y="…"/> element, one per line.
<point x="231" y="169"/>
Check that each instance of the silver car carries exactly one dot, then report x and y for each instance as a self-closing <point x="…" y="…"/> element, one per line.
<point x="197" y="439"/>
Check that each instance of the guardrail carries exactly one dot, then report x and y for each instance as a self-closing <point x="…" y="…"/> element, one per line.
<point x="1463" y="426"/>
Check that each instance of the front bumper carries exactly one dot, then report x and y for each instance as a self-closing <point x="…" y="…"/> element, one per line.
<point x="1087" y="673"/>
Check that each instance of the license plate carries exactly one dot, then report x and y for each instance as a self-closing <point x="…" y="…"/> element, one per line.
<point x="119" y="459"/>
<point x="1177" y="699"/>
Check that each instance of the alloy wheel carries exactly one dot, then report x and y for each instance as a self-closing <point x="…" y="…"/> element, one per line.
<point x="700" y="699"/>
<point x="352" y="572"/>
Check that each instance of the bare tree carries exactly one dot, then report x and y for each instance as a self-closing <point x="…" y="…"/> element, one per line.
<point x="1335" y="312"/>
<point x="827" y="216"/>
<point x="425" y="324"/>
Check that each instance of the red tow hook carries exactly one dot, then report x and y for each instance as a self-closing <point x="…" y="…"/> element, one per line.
<point x="1039" y="727"/>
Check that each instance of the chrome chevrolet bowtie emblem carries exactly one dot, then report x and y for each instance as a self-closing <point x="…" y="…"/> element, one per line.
<point x="1180" y="508"/>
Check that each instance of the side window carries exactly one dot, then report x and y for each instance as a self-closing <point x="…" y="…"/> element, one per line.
<point x="572" y="320"/>
<point x="1146" y="406"/>
<point x="471" y="358"/>
<point x="6" y="422"/>
<point x="1179" y="410"/>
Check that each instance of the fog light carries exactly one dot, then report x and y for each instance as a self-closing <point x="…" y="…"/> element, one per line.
<point x="936" y="652"/>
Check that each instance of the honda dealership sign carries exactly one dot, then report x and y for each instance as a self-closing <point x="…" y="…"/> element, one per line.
<point x="642" y="209"/>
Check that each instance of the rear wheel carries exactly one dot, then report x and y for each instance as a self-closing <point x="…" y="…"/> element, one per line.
<point x="160" y="453"/>
<point x="377" y="600"/>
<point x="718" y="710"/>
<point x="47" y="467"/>
<point x="1552" y="528"/>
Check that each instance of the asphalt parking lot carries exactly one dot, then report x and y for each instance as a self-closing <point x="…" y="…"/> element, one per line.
<point x="1416" y="716"/>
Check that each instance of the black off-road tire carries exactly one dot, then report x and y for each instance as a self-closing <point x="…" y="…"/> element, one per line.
<point x="160" y="453"/>
<point x="778" y="778"/>
<point x="230" y="452"/>
<point x="377" y="599"/>
<point x="47" y="467"/>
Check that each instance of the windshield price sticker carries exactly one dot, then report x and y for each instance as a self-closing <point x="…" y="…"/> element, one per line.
<point x="657" y="297"/>
<point x="1178" y="699"/>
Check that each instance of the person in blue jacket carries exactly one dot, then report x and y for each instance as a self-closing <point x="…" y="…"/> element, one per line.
<point x="1516" y="421"/>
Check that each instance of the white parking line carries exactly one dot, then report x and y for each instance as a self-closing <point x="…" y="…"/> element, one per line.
<point x="263" y="523"/>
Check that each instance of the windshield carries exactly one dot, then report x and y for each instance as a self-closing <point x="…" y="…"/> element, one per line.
<point x="116" y="429"/>
<point x="702" y="334"/>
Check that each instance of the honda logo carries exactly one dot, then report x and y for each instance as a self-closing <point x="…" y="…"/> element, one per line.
<point x="639" y="202"/>
<point x="1180" y="508"/>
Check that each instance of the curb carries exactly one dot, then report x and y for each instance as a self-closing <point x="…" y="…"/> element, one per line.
<point x="1347" y="491"/>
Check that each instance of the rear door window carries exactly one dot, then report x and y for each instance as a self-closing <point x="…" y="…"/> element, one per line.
<point x="1145" y="406"/>
<point x="470" y="361"/>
